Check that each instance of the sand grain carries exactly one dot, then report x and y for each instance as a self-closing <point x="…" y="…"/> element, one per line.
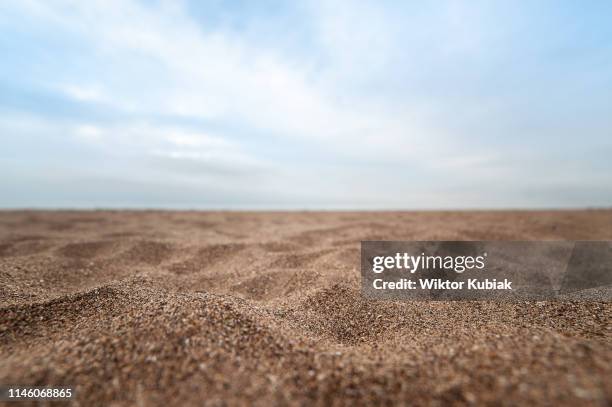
<point x="185" y="308"/>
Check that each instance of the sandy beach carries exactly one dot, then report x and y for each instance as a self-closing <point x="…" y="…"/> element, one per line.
<point x="233" y="308"/>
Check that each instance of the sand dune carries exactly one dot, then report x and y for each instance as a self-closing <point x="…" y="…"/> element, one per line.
<point x="185" y="308"/>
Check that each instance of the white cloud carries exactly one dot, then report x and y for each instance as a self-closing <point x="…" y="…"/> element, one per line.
<point x="380" y="97"/>
<point x="89" y="132"/>
<point x="191" y="139"/>
<point x="83" y="93"/>
<point x="159" y="61"/>
<point x="140" y="139"/>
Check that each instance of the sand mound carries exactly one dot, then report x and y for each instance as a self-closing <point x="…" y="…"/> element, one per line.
<point x="165" y="308"/>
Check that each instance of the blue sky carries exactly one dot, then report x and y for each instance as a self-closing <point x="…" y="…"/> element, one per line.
<point x="305" y="104"/>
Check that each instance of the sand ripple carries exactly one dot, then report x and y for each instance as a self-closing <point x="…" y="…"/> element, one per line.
<point x="158" y="308"/>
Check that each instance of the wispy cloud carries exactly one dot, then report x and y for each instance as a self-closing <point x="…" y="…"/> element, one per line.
<point x="326" y="104"/>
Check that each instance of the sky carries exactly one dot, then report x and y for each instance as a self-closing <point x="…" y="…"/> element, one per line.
<point x="305" y="104"/>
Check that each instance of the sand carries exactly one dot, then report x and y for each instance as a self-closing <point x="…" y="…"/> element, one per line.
<point x="233" y="308"/>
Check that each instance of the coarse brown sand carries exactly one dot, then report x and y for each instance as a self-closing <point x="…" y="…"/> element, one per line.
<point x="194" y="308"/>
